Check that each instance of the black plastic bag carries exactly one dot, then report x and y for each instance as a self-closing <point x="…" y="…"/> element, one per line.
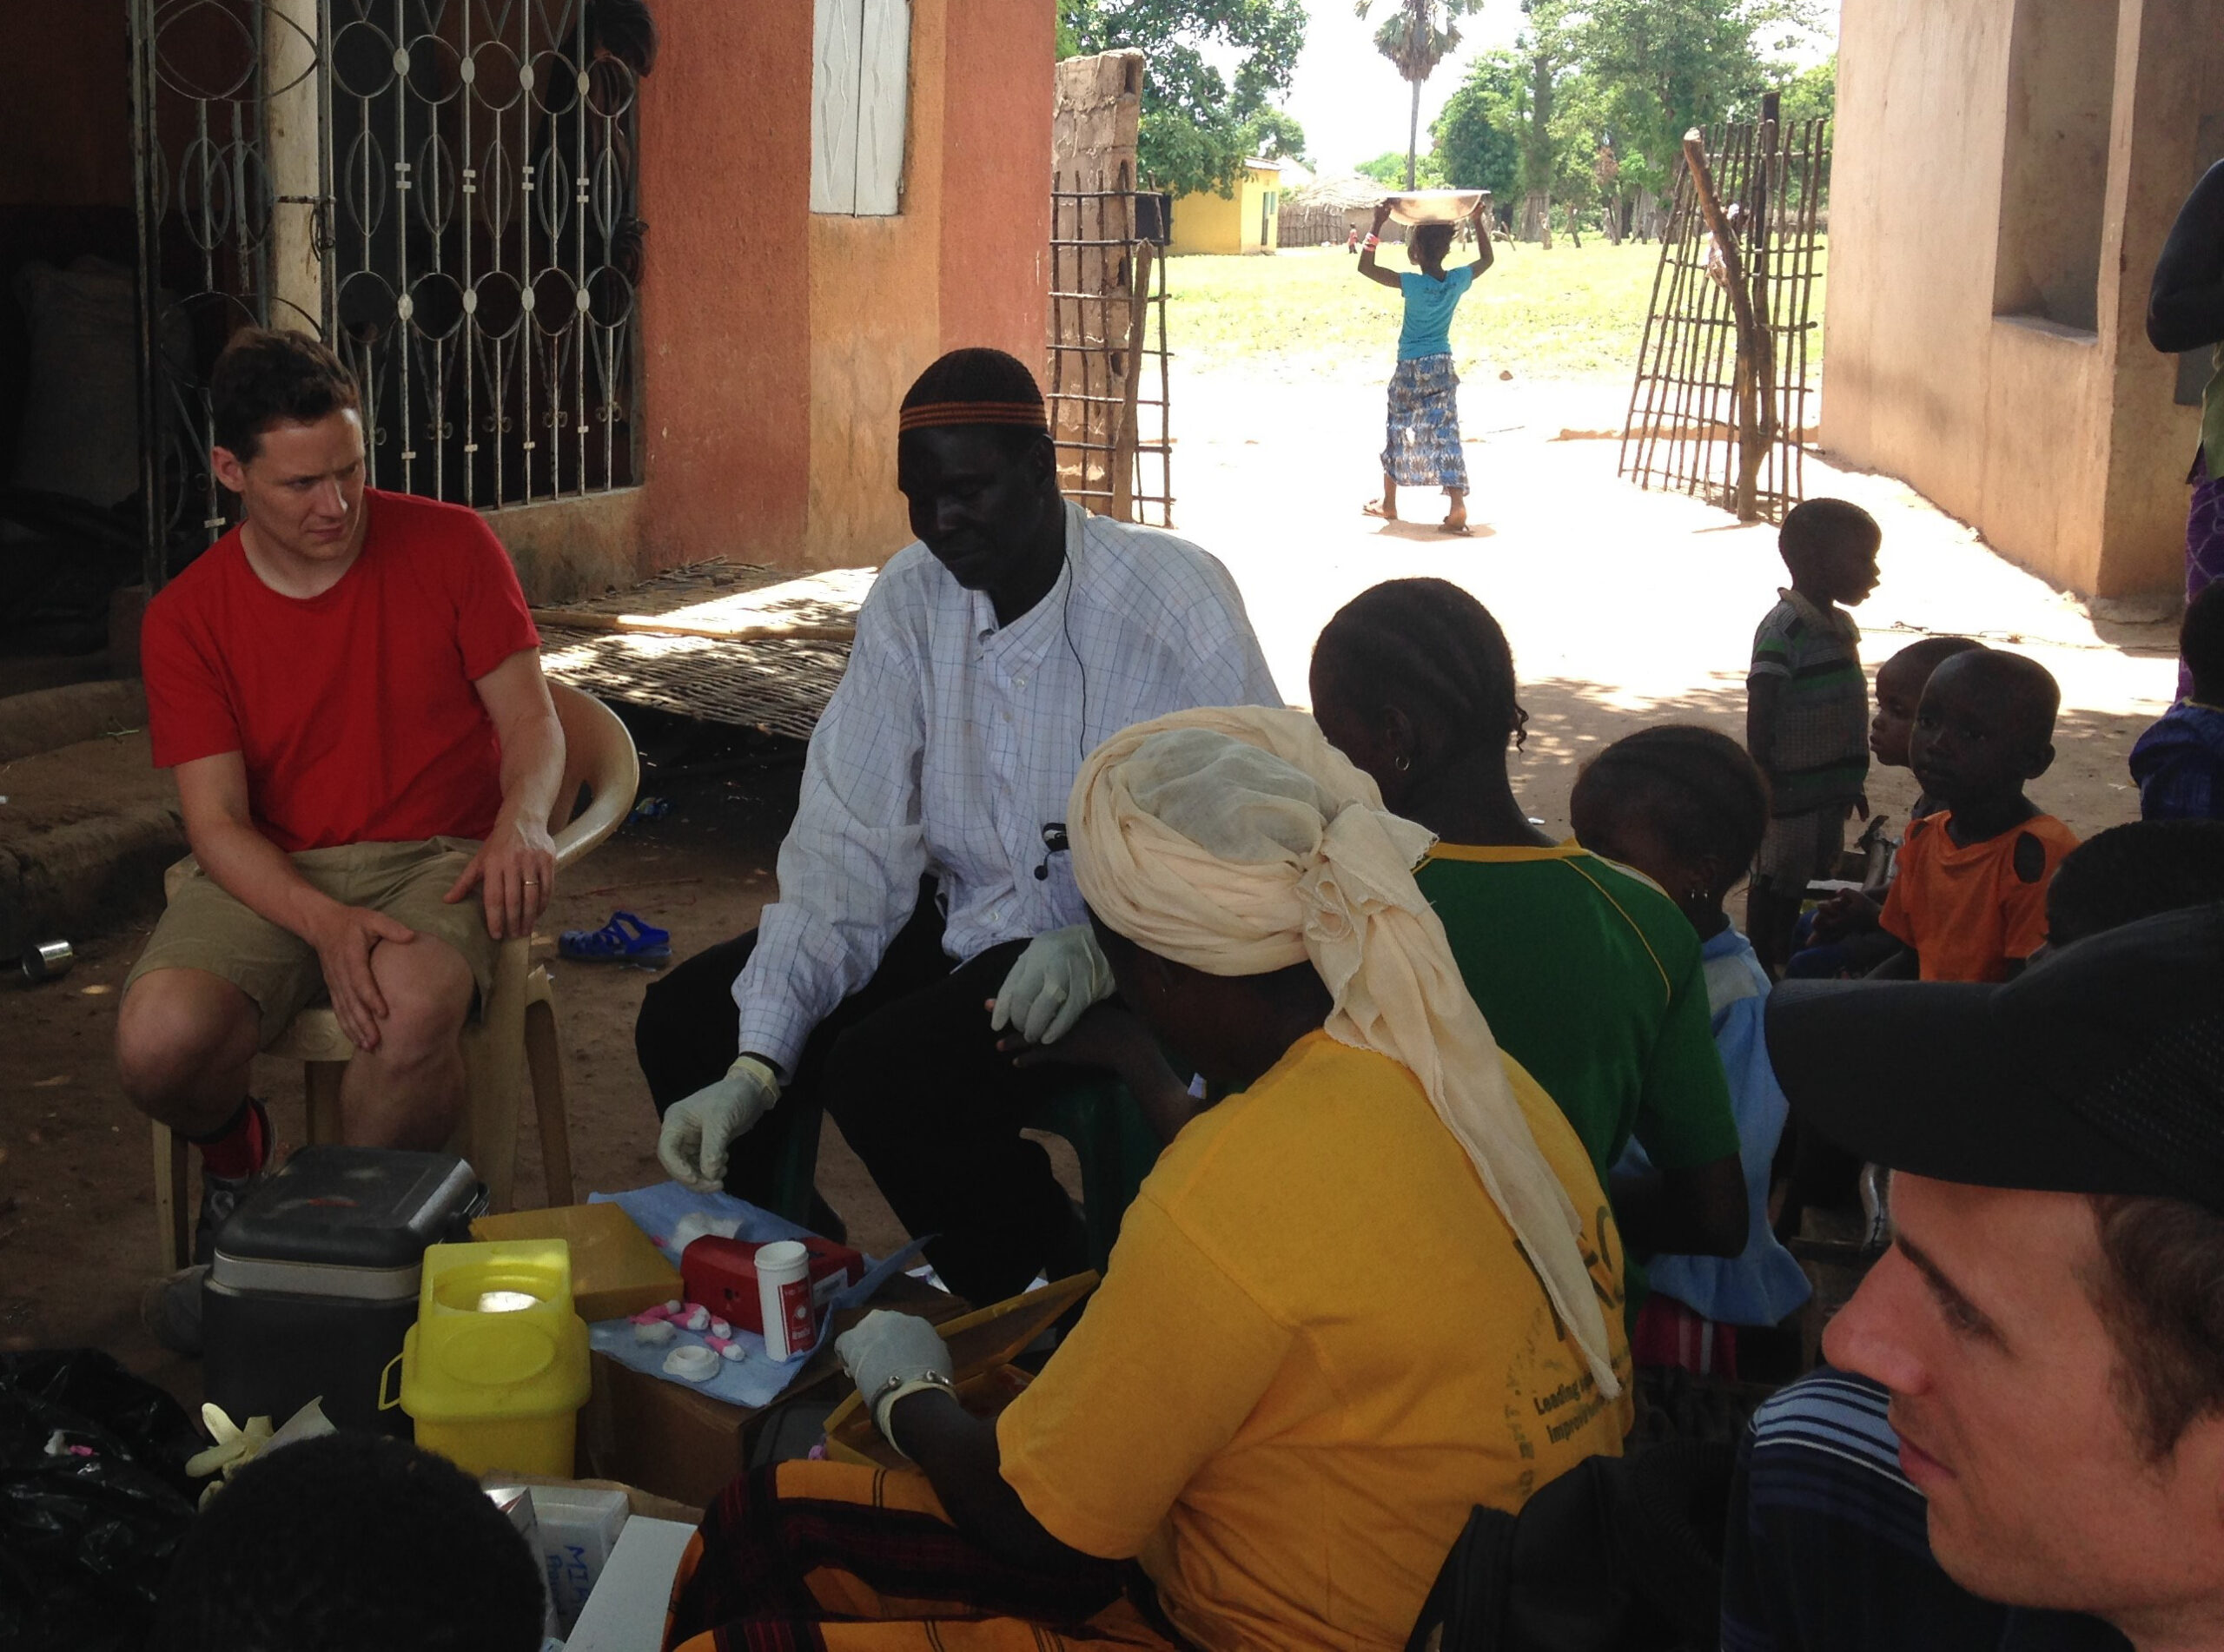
<point x="94" y="1500"/>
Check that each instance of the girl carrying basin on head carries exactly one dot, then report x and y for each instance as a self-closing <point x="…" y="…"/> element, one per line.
<point x="1422" y="447"/>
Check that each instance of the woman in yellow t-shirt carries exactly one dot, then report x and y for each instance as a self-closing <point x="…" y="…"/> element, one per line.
<point x="1376" y="1284"/>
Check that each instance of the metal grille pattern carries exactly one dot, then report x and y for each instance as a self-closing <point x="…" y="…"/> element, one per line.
<point x="485" y="248"/>
<point x="446" y="189"/>
<point x="205" y="75"/>
<point x="1108" y="351"/>
<point x="1693" y="394"/>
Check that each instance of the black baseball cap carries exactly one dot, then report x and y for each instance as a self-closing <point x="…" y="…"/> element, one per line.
<point x="2099" y="1069"/>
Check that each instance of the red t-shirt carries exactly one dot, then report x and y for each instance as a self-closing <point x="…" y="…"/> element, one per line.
<point x="354" y="710"/>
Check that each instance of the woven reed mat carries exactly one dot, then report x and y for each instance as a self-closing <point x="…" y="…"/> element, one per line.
<point x="777" y="686"/>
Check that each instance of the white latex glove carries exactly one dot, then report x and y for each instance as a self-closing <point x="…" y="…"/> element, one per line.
<point x="700" y="1128"/>
<point x="888" y="1355"/>
<point x="1052" y="986"/>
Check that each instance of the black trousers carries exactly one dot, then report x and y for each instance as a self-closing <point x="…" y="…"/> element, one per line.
<point x="909" y="1068"/>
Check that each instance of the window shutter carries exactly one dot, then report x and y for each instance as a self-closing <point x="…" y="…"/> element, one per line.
<point x="884" y="96"/>
<point x="861" y="71"/>
<point x="837" y="28"/>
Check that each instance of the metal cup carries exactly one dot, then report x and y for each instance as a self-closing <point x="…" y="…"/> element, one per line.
<point x="49" y="961"/>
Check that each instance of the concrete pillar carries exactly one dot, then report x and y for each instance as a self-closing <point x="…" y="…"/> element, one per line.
<point x="293" y="114"/>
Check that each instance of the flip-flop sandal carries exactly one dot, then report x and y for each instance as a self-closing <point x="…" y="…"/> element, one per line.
<point x="1458" y="530"/>
<point x="625" y="939"/>
<point x="1374" y="508"/>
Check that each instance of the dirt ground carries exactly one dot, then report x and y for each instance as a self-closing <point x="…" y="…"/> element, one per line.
<point x="1624" y="608"/>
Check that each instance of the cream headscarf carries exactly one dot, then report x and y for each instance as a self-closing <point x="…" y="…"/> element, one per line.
<point x="1239" y="842"/>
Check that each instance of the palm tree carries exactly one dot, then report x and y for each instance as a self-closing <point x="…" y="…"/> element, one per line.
<point x="1416" y="36"/>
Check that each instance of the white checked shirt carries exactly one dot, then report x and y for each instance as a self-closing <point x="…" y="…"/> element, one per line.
<point x="951" y="742"/>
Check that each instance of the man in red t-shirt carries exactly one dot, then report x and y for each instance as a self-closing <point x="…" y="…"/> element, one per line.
<point x="347" y="687"/>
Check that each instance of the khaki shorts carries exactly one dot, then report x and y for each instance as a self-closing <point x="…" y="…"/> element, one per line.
<point x="206" y="928"/>
<point x="1798" y="848"/>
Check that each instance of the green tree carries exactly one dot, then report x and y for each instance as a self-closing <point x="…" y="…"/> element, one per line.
<point x="1416" y="36"/>
<point x="1543" y="53"/>
<point x="1388" y="170"/>
<point x="1670" y="65"/>
<point x="1477" y="137"/>
<point x="1812" y="93"/>
<point x="1197" y="121"/>
<point x="1274" y="134"/>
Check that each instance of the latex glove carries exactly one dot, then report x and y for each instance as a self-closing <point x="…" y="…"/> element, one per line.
<point x="700" y="1128"/>
<point x="1052" y="986"/>
<point x="887" y="1354"/>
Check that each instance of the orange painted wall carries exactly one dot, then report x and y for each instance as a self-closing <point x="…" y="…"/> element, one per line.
<point x="777" y="342"/>
<point x="876" y="298"/>
<point x="725" y="189"/>
<point x="995" y="228"/>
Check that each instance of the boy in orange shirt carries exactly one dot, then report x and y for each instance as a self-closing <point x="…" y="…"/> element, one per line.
<point x="1968" y="899"/>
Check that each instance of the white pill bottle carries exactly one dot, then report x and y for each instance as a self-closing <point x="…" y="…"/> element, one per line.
<point x="784" y="1297"/>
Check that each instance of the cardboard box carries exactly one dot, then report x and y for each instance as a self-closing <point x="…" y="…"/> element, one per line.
<point x="678" y="1442"/>
<point x="638" y="1501"/>
<point x="626" y="1611"/>
<point x="640" y="1591"/>
<point x="615" y="1270"/>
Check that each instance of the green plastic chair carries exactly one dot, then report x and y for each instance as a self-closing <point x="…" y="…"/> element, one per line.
<point x="1116" y="1147"/>
<point x="1110" y="1135"/>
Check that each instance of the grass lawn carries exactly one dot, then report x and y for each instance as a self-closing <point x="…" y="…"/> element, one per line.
<point x="1562" y="313"/>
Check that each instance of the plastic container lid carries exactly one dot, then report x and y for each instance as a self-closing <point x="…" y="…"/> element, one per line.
<point x="782" y="1262"/>
<point x="697" y="1363"/>
<point x="356" y="1207"/>
<point x="495" y="1336"/>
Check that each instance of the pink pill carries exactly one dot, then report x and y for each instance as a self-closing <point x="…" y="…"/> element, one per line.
<point x="651" y="1315"/>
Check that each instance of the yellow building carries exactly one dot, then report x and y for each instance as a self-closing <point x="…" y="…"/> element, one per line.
<point x="1243" y="222"/>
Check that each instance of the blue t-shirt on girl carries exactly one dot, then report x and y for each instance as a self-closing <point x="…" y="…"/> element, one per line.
<point x="1429" y="304"/>
<point x="1762" y="1285"/>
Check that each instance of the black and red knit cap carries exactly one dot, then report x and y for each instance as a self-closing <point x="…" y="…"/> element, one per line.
<point x="974" y="386"/>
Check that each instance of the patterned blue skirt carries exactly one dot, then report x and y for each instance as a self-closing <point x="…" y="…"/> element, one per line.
<point x="1422" y="449"/>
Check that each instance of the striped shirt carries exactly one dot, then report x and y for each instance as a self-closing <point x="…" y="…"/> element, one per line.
<point x="1828" y="1550"/>
<point x="952" y="742"/>
<point x="1817" y="755"/>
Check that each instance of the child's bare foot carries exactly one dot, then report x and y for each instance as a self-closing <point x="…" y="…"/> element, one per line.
<point x="1382" y="508"/>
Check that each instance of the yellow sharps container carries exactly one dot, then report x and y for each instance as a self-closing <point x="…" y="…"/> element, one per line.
<point x="495" y="1368"/>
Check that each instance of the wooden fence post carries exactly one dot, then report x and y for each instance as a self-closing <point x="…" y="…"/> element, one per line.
<point x="1756" y="373"/>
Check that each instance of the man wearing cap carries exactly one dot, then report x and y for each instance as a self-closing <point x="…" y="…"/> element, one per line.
<point x="926" y="877"/>
<point x="2046" y="1332"/>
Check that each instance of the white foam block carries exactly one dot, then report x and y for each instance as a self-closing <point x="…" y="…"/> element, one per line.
<point x="626" y="1613"/>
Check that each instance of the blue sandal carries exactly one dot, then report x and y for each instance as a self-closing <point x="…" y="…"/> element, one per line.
<point x="625" y="939"/>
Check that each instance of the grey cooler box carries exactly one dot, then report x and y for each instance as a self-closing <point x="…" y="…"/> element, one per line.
<point x="315" y="1282"/>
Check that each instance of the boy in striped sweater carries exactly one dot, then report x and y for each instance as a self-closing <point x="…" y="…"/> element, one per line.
<point x="1807" y="713"/>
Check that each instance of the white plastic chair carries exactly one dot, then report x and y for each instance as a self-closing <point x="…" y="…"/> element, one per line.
<point x="513" y="1040"/>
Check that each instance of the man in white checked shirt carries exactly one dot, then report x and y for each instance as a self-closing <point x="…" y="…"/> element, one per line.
<point x="925" y="874"/>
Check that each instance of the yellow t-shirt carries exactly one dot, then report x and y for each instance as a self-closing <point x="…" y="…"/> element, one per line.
<point x="1316" y="1347"/>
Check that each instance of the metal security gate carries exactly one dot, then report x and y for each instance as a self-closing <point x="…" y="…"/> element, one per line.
<point x="446" y="190"/>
